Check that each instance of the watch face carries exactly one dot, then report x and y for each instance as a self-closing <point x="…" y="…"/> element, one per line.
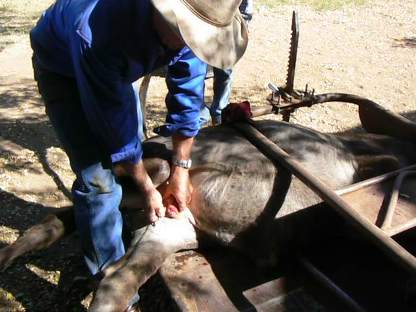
<point x="186" y="164"/>
<point x="183" y="163"/>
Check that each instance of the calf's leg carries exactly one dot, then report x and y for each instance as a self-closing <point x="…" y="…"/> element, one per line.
<point x="150" y="247"/>
<point x="39" y="236"/>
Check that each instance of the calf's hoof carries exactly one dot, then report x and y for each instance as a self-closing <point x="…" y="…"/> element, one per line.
<point x="6" y="258"/>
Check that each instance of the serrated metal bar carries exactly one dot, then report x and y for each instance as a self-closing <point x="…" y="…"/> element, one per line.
<point x="292" y="54"/>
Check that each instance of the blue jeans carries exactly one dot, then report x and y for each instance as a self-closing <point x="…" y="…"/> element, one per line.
<point x="222" y="91"/>
<point x="96" y="193"/>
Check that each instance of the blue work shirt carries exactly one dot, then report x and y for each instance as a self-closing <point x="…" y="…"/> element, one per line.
<point x="106" y="45"/>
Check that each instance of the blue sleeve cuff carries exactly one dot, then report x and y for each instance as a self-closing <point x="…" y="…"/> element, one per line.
<point x="189" y="129"/>
<point x="131" y="152"/>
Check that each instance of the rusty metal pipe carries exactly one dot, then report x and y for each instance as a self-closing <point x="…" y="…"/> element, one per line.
<point x="394" y="197"/>
<point x="144" y="87"/>
<point x="321" y="278"/>
<point x="277" y="155"/>
<point x="401" y="227"/>
<point x="375" y="180"/>
<point x="351" y="188"/>
<point x="374" y="117"/>
<point x="263" y="110"/>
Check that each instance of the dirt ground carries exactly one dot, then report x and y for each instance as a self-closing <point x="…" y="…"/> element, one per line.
<point x="369" y="50"/>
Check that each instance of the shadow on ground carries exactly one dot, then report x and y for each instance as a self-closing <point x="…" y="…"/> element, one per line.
<point x="23" y="123"/>
<point x="406" y="42"/>
<point x="17" y="94"/>
<point x="24" y="127"/>
<point x="22" y="278"/>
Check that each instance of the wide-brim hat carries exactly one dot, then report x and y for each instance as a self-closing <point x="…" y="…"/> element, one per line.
<point x="214" y="30"/>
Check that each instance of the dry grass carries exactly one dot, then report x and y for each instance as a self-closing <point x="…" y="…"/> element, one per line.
<point x="316" y="4"/>
<point x="17" y="18"/>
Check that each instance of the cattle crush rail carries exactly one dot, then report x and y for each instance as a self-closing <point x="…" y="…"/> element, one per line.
<point x="374" y="118"/>
<point x="367" y="205"/>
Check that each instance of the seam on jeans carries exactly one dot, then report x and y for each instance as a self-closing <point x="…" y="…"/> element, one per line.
<point x="91" y="212"/>
<point x="98" y="257"/>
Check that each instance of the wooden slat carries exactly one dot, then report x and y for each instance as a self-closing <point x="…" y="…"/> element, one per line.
<point x="226" y="281"/>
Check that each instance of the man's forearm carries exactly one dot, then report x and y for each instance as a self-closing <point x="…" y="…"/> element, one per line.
<point x="182" y="146"/>
<point x="153" y="199"/>
<point x="178" y="192"/>
<point x="139" y="174"/>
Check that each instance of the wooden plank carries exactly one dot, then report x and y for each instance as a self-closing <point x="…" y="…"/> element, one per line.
<point x="226" y="281"/>
<point x="371" y="201"/>
<point x="193" y="284"/>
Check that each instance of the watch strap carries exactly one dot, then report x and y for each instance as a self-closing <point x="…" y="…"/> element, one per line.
<point x="183" y="163"/>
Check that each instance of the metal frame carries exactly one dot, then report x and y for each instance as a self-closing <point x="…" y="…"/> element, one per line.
<point x="276" y="154"/>
<point x="374" y="118"/>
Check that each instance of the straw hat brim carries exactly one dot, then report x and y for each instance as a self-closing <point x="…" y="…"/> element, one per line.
<point x="219" y="47"/>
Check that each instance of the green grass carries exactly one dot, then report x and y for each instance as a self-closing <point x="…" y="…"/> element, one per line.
<point x="316" y="4"/>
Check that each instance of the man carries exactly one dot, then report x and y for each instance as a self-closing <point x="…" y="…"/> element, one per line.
<point x="87" y="54"/>
<point x="223" y="79"/>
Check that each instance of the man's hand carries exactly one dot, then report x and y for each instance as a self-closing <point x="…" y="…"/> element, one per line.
<point x="178" y="192"/>
<point x="154" y="205"/>
<point x="153" y="199"/>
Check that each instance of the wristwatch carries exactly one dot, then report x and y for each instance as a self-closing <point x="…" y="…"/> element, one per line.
<point x="183" y="163"/>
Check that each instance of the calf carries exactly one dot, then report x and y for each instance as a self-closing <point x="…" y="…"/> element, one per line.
<point x="239" y="198"/>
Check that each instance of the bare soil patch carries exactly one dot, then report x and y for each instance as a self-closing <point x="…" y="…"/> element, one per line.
<point x="368" y="50"/>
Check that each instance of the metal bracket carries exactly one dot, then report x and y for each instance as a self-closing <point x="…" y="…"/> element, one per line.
<point x="284" y="99"/>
